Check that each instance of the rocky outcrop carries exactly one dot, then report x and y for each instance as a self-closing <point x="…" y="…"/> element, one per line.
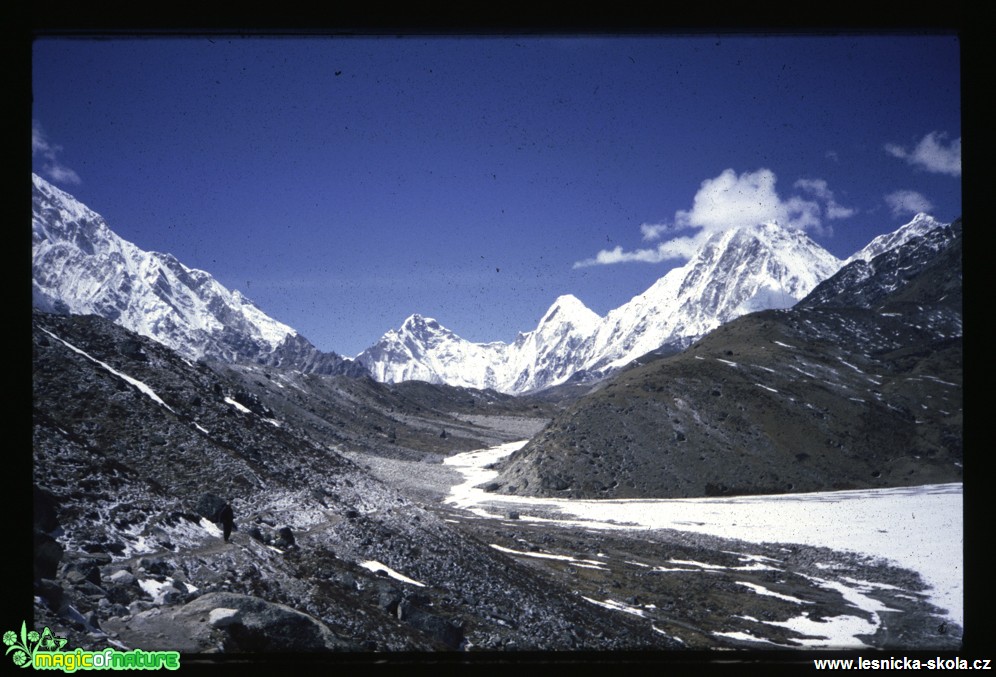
<point x="231" y="623"/>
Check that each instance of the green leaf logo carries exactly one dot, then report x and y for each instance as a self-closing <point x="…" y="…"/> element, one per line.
<point x="28" y="643"/>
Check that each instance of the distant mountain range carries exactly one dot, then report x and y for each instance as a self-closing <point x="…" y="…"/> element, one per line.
<point x="736" y="272"/>
<point x="81" y="267"/>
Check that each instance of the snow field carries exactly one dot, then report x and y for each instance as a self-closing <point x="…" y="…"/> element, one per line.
<point x="918" y="528"/>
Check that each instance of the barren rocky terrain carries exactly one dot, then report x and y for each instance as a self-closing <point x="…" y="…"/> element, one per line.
<point x="344" y="540"/>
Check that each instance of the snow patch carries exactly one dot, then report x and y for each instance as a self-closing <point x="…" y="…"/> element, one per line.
<point x="237" y="405"/>
<point x="376" y="566"/>
<point x="617" y="606"/>
<point x="583" y="563"/>
<point x="761" y="590"/>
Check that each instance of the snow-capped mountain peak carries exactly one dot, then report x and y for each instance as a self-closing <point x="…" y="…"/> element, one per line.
<point x="423" y="349"/>
<point x="921" y="224"/>
<point x="737" y="271"/>
<point x="80" y="266"/>
<point x="420" y="326"/>
<point x="569" y="308"/>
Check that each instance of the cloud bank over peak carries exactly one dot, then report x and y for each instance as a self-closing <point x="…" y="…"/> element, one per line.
<point x="730" y="201"/>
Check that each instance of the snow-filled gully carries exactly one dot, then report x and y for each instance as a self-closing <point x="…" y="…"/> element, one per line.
<point x="917" y="528"/>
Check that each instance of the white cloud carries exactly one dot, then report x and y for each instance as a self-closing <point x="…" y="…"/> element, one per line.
<point x="654" y="231"/>
<point x="729" y="201"/>
<point x="815" y="187"/>
<point x="52" y="168"/>
<point x="907" y="202"/>
<point x="748" y="199"/>
<point x="895" y="150"/>
<point x="835" y="211"/>
<point x="931" y="154"/>
<point x="818" y="188"/>
<point x="677" y="248"/>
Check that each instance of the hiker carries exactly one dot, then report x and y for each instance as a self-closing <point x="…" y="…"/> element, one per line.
<point x="227" y="519"/>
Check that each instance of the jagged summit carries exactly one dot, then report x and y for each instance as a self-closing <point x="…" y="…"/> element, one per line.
<point x="738" y="271"/>
<point x="569" y="304"/>
<point x="80" y="266"/>
<point x="864" y="283"/>
<point x="922" y="223"/>
<point x="420" y="325"/>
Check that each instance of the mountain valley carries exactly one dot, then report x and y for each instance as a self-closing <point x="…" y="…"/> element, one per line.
<point x="764" y="367"/>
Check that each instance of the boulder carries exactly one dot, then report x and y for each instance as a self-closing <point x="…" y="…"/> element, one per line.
<point x="441" y="630"/>
<point x="45" y="514"/>
<point x="285" y="538"/>
<point x="242" y="623"/>
<point x="122" y="577"/>
<point x="264" y="626"/>
<point x="80" y="571"/>
<point x="156" y="567"/>
<point x="50" y="591"/>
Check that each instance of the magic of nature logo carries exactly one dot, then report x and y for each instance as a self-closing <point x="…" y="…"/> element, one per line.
<point x="44" y="651"/>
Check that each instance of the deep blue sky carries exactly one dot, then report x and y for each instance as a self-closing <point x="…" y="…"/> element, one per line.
<point x="343" y="184"/>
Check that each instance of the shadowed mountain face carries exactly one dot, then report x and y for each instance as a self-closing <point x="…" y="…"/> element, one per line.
<point x="859" y="385"/>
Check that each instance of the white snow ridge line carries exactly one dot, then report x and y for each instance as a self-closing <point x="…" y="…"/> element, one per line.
<point x="133" y="381"/>
<point x="237" y="405"/>
<point x="375" y="566"/>
<point x="584" y="563"/>
<point x="617" y="606"/>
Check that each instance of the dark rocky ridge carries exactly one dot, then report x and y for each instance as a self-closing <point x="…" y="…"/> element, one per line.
<point x="413" y="420"/>
<point x="296" y="352"/>
<point x="858" y="386"/>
